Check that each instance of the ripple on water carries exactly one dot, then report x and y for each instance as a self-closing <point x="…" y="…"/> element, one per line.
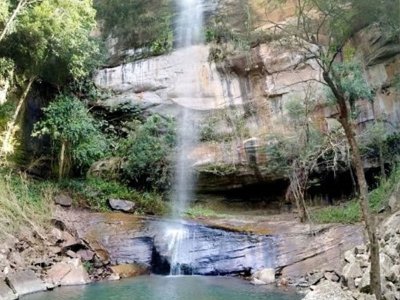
<point x="167" y="288"/>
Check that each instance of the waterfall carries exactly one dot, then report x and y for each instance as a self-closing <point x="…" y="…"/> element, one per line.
<point x="188" y="33"/>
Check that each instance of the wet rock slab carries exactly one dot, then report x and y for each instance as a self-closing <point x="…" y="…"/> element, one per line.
<point x="218" y="247"/>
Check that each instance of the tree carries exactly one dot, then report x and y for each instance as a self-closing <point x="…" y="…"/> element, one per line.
<point x="7" y="19"/>
<point x="322" y="29"/>
<point x="51" y="42"/>
<point x="74" y="132"/>
<point x="306" y="150"/>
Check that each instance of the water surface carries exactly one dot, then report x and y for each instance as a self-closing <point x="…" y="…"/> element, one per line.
<point x="168" y="288"/>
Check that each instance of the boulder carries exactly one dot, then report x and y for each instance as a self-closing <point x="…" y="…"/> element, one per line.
<point x="85" y="255"/>
<point x="394" y="274"/>
<point x="63" y="200"/>
<point x="267" y="276"/>
<point x="328" y="290"/>
<point x="129" y="270"/>
<point x="122" y="205"/>
<point x="349" y="256"/>
<point x="69" y="272"/>
<point x="25" y="282"/>
<point x="365" y="283"/>
<point x="315" y="277"/>
<point x="6" y="293"/>
<point x="332" y="276"/>
<point x="386" y="263"/>
<point x="352" y="271"/>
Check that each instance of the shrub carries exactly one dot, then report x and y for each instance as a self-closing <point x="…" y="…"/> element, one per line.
<point x="148" y="151"/>
<point x="75" y="134"/>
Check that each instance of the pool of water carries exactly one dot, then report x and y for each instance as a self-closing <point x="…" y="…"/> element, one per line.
<point x="168" y="288"/>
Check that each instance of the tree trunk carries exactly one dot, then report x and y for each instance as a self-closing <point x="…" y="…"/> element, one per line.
<point x="369" y="220"/>
<point x="11" y="127"/>
<point x="296" y="190"/>
<point x="382" y="161"/>
<point x="62" y="161"/>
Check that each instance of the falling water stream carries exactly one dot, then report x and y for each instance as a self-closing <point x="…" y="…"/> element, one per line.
<point x="188" y="34"/>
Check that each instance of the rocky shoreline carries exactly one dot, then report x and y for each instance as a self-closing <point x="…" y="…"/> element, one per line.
<point x="354" y="280"/>
<point x="83" y="247"/>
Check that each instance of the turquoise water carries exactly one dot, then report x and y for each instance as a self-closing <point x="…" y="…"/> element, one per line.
<point x="167" y="288"/>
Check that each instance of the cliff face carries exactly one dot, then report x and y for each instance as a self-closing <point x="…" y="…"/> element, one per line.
<point x="240" y="101"/>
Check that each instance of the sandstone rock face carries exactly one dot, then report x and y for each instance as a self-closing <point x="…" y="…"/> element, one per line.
<point x="122" y="205"/>
<point x="25" y="282"/>
<point x="253" y="87"/>
<point x="165" y="83"/>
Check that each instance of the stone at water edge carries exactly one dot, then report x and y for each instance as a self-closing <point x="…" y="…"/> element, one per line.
<point x="63" y="200"/>
<point x="70" y="272"/>
<point x="25" y="282"/>
<point x="6" y="293"/>
<point x="129" y="270"/>
<point x="265" y="276"/>
<point x="328" y="290"/>
<point x="122" y="205"/>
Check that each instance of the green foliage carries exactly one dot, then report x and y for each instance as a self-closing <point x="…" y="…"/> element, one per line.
<point x="6" y="67"/>
<point x="52" y="40"/>
<point x="379" y="197"/>
<point x="352" y="81"/>
<point x="219" y="169"/>
<point x="89" y="267"/>
<point x="138" y="23"/>
<point x="96" y="192"/>
<point x="66" y="120"/>
<point x="148" y="151"/>
<point x="6" y="111"/>
<point x="4" y="12"/>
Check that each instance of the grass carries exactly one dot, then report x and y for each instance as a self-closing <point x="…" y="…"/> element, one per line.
<point x="350" y="212"/>
<point x="345" y="214"/>
<point x="23" y="204"/>
<point x="198" y="211"/>
<point x="95" y="193"/>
